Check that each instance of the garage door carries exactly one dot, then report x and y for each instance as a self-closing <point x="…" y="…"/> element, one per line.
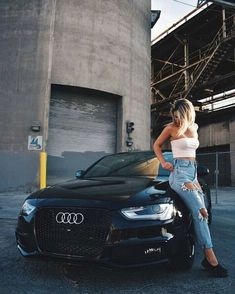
<point x="82" y="128"/>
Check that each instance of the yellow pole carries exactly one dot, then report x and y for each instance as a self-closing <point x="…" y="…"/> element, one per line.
<point x="43" y="169"/>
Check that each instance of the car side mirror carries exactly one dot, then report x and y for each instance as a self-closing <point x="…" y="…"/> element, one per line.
<point x="202" y="171"/>
<point x="79" y="173"/>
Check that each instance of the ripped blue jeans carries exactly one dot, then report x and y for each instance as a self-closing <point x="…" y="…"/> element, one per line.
<point x="185" y="171"/>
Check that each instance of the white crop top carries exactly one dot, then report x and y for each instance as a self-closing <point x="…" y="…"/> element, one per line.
<point x="184" y="147"/>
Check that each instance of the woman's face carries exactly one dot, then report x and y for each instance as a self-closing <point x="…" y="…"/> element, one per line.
<point x="176" y="118"/>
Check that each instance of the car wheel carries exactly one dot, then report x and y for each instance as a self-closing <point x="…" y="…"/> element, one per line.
<point x="185" y="258"/>
<point x="207" y="200"/>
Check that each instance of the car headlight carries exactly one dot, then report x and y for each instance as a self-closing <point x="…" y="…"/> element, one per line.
<point x="162" y="211"/>
<point x="27" y="208"/>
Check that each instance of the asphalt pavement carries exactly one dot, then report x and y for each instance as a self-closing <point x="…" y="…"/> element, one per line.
<point x="22" y="275"/>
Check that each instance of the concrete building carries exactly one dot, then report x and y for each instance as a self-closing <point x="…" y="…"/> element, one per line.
<point x="71" y="74"/>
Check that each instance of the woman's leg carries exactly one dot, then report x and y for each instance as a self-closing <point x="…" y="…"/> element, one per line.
<point x="192" y="195"/>
<point x="195" y="203"/>
<point x="210" y="256"/>
<point x="209" y="253"/>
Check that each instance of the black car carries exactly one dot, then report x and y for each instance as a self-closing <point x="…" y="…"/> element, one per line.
<point x="120" y="211"/>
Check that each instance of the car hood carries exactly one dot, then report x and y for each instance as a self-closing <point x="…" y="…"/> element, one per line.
<point x="108" y="191"/>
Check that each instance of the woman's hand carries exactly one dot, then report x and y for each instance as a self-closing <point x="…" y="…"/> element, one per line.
<point x="168" y="166"/>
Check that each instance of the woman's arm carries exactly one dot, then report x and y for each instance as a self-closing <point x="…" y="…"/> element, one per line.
<point x="164" y="136"/>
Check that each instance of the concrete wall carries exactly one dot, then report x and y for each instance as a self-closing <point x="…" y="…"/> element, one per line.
<point x="214" y="134"/>
<point x="103" y="45"/>
<point x="218" y="134"/>
<point x="24" y="69"/>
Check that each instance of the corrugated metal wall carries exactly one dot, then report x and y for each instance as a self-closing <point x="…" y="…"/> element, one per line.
<point x="82" y="128"/>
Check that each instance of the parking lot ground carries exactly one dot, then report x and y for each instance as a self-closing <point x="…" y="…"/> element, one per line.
<point x="20" y="275"/>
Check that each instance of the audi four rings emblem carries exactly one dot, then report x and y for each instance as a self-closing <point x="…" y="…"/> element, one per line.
<point x="69" y="218"/>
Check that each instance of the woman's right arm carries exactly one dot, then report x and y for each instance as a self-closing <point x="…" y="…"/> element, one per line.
<point x="164" y="136"/>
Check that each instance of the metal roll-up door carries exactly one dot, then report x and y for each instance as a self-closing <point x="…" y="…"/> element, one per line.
<point x="82" y="128"/>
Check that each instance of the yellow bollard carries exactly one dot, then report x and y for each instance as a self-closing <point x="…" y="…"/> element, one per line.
<point x="43" y="169"/>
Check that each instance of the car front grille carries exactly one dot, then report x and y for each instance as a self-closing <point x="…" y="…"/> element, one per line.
<point x="84" y="240"/>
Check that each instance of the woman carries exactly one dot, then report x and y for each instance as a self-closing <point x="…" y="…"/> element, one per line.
<point x="183" y="136"/>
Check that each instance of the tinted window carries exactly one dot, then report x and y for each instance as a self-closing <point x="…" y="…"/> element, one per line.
<point x="125" y="164"/>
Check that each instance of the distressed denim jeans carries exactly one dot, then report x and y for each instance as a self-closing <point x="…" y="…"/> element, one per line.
<point x="185" y="171"/>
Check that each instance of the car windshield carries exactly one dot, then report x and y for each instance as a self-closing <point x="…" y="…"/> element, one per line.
<point x="125" y="164"/>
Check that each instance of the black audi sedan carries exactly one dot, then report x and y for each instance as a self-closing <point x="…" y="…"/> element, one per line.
<point x="120" y="211"/>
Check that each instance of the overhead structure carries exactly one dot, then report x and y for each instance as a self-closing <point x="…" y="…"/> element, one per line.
<point x="221" y="2"/>
<point x="194" y="60"/>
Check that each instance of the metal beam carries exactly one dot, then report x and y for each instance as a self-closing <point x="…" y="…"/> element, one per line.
<point x="186" y="64"/>
<point x="179" y="71"/>
<point x="228" y="3"/>
<point x="199" y="2"/>
<point x="168" y="62"/>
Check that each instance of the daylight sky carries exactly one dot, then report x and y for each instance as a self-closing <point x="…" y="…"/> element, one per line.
<point x="171" y="12"/>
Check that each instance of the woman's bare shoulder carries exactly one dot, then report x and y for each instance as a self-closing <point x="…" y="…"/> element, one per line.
<point x="169" y="128"/>
<point x="172" y="128"/>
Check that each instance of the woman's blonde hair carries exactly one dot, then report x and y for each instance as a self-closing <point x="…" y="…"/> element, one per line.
<point x="185" y="112"/>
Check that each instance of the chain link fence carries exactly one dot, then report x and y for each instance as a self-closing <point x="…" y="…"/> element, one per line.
<point x="222" y="169"/>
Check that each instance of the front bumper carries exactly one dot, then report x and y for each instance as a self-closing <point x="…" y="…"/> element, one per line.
<point x="128" y="243"/>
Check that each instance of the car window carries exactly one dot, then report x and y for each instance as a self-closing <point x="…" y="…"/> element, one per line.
<point x="129" y="164"/>
<point x="126" y="164"/>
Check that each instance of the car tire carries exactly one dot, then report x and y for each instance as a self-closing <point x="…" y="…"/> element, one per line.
<point x="185" y="258"/>
<point x="209" y="217"/>
<point x="208" y="195"/>
<point x="207" y="198"/>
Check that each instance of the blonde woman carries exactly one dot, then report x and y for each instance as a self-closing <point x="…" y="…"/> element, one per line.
<point x="182" y="133"/>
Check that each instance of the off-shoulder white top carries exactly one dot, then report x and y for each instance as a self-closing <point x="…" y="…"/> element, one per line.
<point x="184" y="147"/>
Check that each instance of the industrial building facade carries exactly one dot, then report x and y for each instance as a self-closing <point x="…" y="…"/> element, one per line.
<point x="195" y="59"/>
<point x="71" y="74"/>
